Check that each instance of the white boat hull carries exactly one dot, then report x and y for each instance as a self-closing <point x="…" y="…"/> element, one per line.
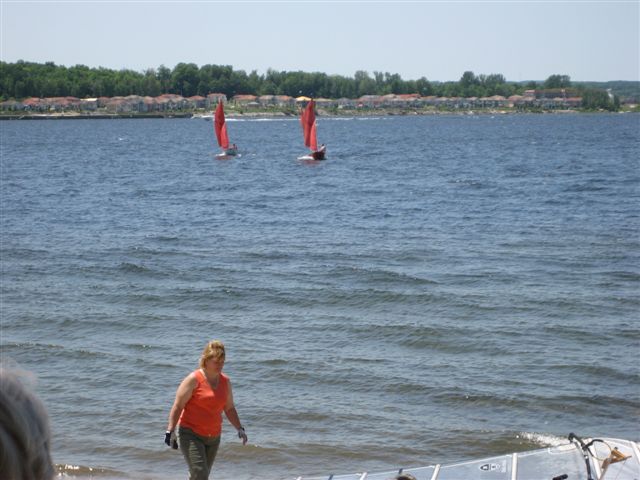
<point x="543" y="464"/>
<point x="227" y="156"/>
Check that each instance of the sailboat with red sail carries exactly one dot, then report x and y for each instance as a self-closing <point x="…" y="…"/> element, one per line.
<point x="310" y="133"/>
<point x="220" y="127"/>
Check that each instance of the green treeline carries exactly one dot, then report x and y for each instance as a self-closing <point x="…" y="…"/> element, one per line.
<point x="27" y="79"/>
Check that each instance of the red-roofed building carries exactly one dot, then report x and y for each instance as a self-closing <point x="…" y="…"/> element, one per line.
<point x="369" y="101"/>
<point x="170" y="101"/>
<point x="214" y="98"/>
<point x="11" y="105"/>
<point x="267" y="100"/>
<point x="102" y="101"/>
<point x="325" y="102"/>
<point x="89" y="104"/>
<point x="285" y="100"/>
<point x="116" y="105"/>
<point x="149" y="104"/>
<point x="574" y="102"/>
<point x="34" y="104"/>
<point x="244" y="99"/>
<point x="197" y="101"/>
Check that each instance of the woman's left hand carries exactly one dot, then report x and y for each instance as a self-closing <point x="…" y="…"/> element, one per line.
<point x="243" y="435"/>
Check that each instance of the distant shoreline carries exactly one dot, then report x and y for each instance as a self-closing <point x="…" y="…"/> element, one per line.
<point x="60" y="116"/>
<point x="272" y="114"/>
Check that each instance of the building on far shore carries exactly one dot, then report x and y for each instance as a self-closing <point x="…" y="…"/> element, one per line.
<point x="554" y="99"/>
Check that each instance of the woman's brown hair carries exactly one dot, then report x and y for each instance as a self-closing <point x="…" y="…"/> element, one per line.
<point x="213" y="349"/>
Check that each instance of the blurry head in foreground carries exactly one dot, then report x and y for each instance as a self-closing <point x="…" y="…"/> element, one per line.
<point x="24" y="432"/>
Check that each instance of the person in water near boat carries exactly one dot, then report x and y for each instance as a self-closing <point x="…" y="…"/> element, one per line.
<point x="319" y="154"/>
<point x="25" y="435"/>
<point x="197" y="412"/>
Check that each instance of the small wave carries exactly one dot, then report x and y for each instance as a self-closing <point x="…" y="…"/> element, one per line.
<point x="23" y="253"/>
<point x="579" y="188"/>
<point x="371" y="296"/>
<point x="480" y="443"/>
<point x="469" y="183"/>
<point x="377" y="275"/>
<point x="45" y="349"/>
<point x="598" y="372"/>
<point x="133" y="268"/>
<point x="137" y="250"/>
<point x="624" y="275"/>
<point x="274" y="362"/>
<point x="35" y="344"/>
<point x="542" y="439"/>
<point x="268" y="255"/>
<point x="446" y="339"/>
<point x="479" y="399"/>
<point x="342" y="119"/>
<point x="579" y="334"/>
<point x="139" y="346"/>
<point x="165" y="238"/>
<point x="81" y="471"/>
<point x="262" y="119"/>
<point x="290" y="374"/>
<point x="598" y="406"/>
<point x="368" y="119"/>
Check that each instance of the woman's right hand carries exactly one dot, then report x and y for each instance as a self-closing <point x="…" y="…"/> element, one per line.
<point x="170" y="439"/>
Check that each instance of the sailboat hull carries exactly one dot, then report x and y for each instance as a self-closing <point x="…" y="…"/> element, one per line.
<point x="561" y="462"/>
<point x="311" y="156"/>
<point x="227" y="156"/>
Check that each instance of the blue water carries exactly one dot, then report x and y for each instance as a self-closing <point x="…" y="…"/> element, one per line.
<point x="441" y="288"/>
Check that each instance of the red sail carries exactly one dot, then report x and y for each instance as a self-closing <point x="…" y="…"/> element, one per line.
<point x="308" y="121"/>
<point x="313" y="137"/>
<point x="220" y="127"/>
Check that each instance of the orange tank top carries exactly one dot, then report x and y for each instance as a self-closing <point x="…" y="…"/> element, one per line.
<point x="203" y="411"/>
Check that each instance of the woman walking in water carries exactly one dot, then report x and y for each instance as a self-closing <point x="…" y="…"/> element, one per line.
<point x="197" y="412"/>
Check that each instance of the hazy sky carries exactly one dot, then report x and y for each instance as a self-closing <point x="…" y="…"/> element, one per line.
<point x="523" y="40"/>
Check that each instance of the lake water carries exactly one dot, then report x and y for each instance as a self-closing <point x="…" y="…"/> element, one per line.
<point x="441" y="288"/>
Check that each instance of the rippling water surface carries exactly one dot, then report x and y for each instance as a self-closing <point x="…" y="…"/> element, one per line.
<point x="440" y="288"/>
